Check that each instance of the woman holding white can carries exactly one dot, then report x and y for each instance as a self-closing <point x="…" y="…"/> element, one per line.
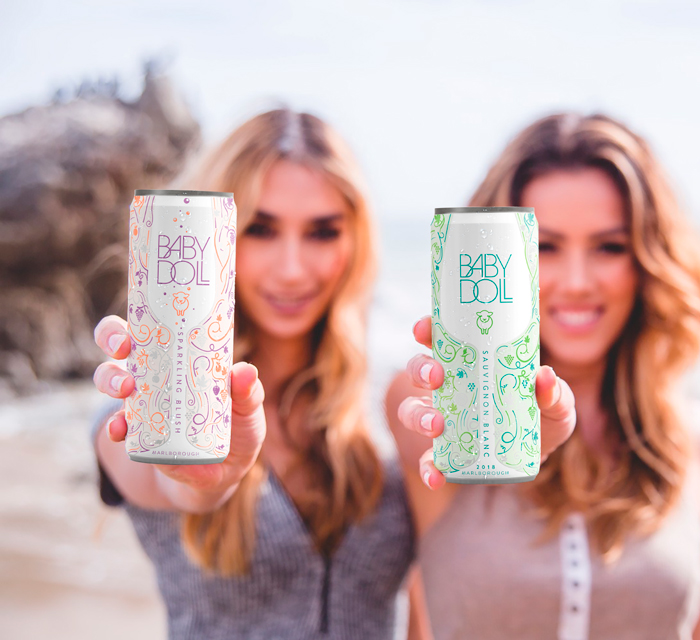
<point x="605" y="542"/>
<point x="304" y="530"/>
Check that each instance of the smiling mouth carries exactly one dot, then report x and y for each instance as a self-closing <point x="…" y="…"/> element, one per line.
<point x="577" y="319"/>
<point x="289" y="304"/>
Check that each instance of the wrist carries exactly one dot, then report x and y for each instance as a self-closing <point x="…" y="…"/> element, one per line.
<point x="186" y="498"/>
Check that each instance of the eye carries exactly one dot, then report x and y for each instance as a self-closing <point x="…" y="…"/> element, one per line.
<point x="546" y="246"/>
<point x="613" y="247"/>
<point x="260" y="230"/>
<point x="325" y="233"/>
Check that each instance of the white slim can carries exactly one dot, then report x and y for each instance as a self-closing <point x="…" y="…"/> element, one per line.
<point x="485" y="328"/>
<point x="182" y="248"/>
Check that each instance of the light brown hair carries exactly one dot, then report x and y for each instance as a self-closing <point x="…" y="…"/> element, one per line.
<point x="660" y="340"/>
<point x="341" y="455"/>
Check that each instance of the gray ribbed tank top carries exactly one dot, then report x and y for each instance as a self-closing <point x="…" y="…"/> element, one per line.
<point x="291" y="592"/>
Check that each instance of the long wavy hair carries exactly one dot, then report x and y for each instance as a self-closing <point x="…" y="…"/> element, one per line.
<point x="347" y="471"/>
<point x="660" y="340"/>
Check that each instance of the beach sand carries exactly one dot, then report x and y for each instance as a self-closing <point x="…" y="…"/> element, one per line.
<point x="70" y="567"/>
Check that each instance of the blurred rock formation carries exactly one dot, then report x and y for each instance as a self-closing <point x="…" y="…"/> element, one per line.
<point x="68" y="171"/>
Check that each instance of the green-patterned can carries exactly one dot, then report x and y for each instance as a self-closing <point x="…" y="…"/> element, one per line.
<point x="486" y="335"/>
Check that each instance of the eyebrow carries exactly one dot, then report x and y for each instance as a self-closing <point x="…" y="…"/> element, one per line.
<point x="265" y="216"/>
<point x="607" y="232"/>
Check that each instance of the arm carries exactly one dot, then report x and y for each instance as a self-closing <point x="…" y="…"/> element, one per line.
<point x="413" y="445"/>
<point x="418" y="620"/>
<point x="144" y="486"/>
<point x="191" y="488"/>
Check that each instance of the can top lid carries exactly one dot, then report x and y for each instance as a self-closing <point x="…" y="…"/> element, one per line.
<point x="181" y="192"/>
<point x="446" y="210"/>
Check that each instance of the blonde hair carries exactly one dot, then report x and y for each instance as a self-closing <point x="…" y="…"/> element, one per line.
<point x="347" y="470"/>
<point x="661" y="338"/>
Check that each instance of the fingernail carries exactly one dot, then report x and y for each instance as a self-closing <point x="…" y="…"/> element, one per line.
<point x="425" y="372"/>
<point x="426" y="478"/>
<point x="415" y="325"/>
<point x="426" y="422"/>
<point x="115" y="342"/>
<point x="107" y="427"/>
<point x="116" y="383"/>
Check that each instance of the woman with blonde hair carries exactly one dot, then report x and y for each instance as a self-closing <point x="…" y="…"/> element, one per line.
<point x="308" y="533"/>
<point x="304" y="530"/>
<point x="605" y="542"/>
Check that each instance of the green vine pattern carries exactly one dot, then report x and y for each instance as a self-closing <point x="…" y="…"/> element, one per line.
<point x="517" y="422"/>
<point x="458" y="446"/>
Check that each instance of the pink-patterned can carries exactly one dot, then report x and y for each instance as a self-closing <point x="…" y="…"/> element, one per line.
<point x="182" y="247"/>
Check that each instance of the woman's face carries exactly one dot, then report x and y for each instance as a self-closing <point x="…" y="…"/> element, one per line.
<point x="588" y="278"/>
<point x="291" y="258"/>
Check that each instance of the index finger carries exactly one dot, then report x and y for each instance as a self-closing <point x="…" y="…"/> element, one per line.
<point x="112" y="336"/>
<point x="423" y="331"/>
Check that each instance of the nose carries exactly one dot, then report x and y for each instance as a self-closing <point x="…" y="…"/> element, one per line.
<point x="576" y="275"/>
<point x="291" y="261"/>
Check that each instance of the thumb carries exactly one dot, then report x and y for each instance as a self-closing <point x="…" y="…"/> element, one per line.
<point x="247" y="392"/>
<point x="546" y="385"/>
<point x="248" y="424"/>
<point x="558" y="409"/>
<point x="554" y="397"/>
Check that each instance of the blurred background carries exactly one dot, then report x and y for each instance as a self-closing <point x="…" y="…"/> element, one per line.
<point x="98" y="100"/>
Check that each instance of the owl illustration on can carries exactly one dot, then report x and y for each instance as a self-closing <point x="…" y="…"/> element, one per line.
<point x="484" y="321"/>
<point x="181" y="302"/>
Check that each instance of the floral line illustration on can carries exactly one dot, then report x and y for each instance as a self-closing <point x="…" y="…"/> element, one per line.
<point x="485" y="326"/>
<point x="180" y="318"/>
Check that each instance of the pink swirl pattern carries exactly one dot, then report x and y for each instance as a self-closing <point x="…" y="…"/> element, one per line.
<point x="208" y="347"/>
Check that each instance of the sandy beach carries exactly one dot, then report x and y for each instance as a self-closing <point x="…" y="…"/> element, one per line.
<point x="70" y="567"/>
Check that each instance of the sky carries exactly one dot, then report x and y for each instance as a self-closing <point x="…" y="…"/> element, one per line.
<point x="427" y="93"/>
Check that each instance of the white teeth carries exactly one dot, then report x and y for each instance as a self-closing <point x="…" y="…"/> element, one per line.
<point x="577" y="318"/>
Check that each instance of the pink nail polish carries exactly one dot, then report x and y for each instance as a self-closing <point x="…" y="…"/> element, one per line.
<point x="116" y="383"/>
<point x="107" y="427"/>
<point x="115" y="342"/>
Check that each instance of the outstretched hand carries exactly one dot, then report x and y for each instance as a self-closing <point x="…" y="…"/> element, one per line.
<point x="248" y="424"/>
<point x="554" y="398"/>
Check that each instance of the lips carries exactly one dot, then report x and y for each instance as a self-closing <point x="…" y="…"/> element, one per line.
<point x="289" y="304"/>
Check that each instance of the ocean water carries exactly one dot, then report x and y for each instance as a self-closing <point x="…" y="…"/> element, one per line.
<point x="402" y="291"/>
<point x="401" y="297"/>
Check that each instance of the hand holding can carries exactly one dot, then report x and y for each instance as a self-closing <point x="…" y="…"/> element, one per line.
<point x="424" y="374"/>
<point x="248" y="424"/>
